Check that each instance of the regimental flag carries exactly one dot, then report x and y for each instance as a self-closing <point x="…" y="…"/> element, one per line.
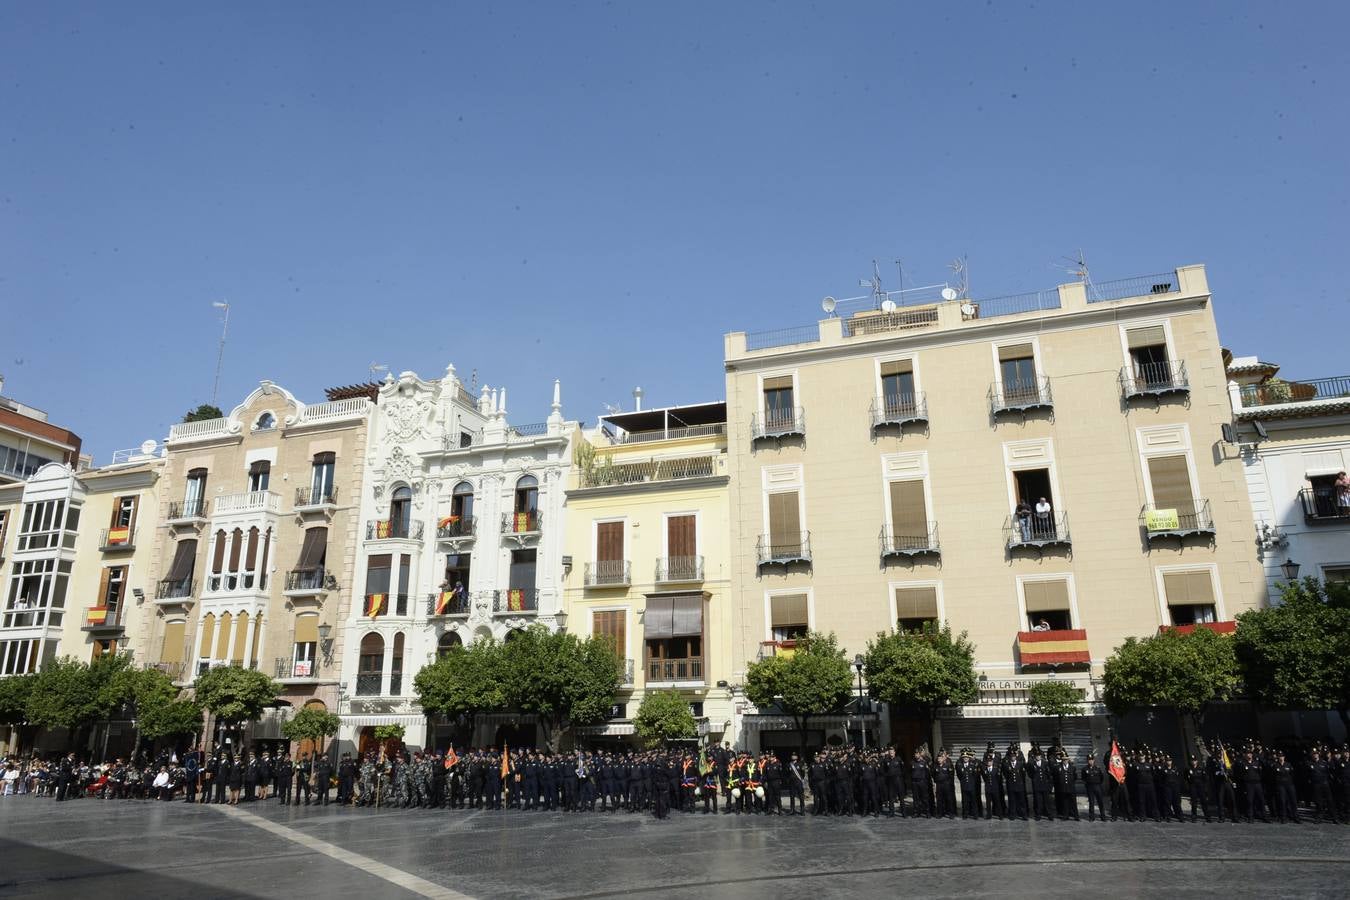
<point x="506" y="760"/>
<point x="1225" y="758"/>
<point x="451" y="758"/>
<point x="118" y="536"/>
<point x="1053" y="648"/>
<point x="375" y="604"/>
<point x="443" y="602"/>
<point x="1115" y="764"/>
<point x="704" y="767"/>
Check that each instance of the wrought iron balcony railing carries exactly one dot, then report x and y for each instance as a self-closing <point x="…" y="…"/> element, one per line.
<point x="1036" y="530"/>
<point x="676" y="569"/>
<point x="386" y="529"/>
<point x="1181" y="519"/>
<point x="784" y="549"/>
<point x="310" y="497"/>
<point x="175" y="589"/>
<point x="448" y="603"/>
<point x="116" y="540"/>
<point x="452" y="527"/>
<point x="368" y="684"/>
<point x="186" y="510"/>
<point x="531" y="522"/>
<point x="1323" y="505"/>
<point x="515" y="601"/>
<point x="310" y="580"/>
<point x="910" y="541"/>
<point x="1020" y="396"/>
<point x="1155" y="379"/>
<point x="297" y="668"/>
<point x="1277" y="391"/>
<point x="778" y="423"/>
<point x="899" y="409"/>
<point x="609" y="573"/>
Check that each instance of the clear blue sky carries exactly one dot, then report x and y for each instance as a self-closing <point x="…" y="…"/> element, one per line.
<point x="599" y="192"/>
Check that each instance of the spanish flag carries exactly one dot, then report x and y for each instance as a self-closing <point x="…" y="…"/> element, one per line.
<point x="118" y="536"/>
<point x="448" y="521"/>
<point x="522" y="522"/>
<point x="375" y="604"/>
<point x="1115" y="764"/>
<point x="443" y="601"/>
<point x="96" y="615"/>
<point x="515" y="600"/>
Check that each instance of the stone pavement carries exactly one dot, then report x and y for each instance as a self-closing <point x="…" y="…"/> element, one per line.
<point x="92" y="848"/>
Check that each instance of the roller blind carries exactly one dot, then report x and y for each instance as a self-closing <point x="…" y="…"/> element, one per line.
<point x="916" y="603"/>
<point x="785" y="526"/>
<point x="897" y="367"/>
<point x="1171" y="482"/>
<point x="909" y="512"/>
<point x="659" y="619"/>
<point x="218" y="554"/>
<point x="251" y="555"/>
<point x="1015" y="351"/>
<point x="782" y="382"/>
<point x="236" y="547"/>
<point x="1188" y="588"/>
<point x="787" y="610"/>
<point x="223" y="636"/>
<point x="307" y="629"/>
<point x="172" y="649"/>
<point x="687" y="616"/>
<point x="313" y="551"/>
<point x="1151" y="336"/>
<point x="184" y="555"/>
<point x="240" y="637"/>
<point x="208" y="632"/>
<point x="1046" y="596"/>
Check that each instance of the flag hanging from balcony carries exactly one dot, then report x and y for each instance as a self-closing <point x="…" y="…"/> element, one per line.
<point x="448" y="521"/>
<point x="522" y="522"/>
<point x="1053" y="648"/>
<point x="443" y="602"/>
<point x="118" y="536"/>
<point x="515" y="600"/>
<point x="383" y="529"/>
<point x="375" y="604"/>
<point x="96" y="615"/>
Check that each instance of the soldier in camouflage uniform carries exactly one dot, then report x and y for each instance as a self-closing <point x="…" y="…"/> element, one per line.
<point x="367" y="782"/>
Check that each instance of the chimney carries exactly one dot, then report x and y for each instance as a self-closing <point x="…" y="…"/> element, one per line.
<point x="637" y="398"/>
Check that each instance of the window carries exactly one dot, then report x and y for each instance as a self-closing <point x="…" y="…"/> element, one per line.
<point x="788" y="619"/>
<point x="1325" y="496"/>
<point x="41" y="525"/>
<point x="404" y="578"/>
<point x="1017" y="370"/>
<point x="522" y="573"/>
<point x="124" y="513"/>
<point x="457" y="567"/>
<point x="178" y="582"/>
<point x="779" y="405"/>
<point x="206" y="642"/>
<point x="306" y="643"/>
<point x="448" y="643"/>
<point x="915" y="607"/>
<point x="1034" y="514"/>
<point x="1190" y="597"/>
<point x="609" y="559"/>
<point x="897" y="388"/>
<point x="400" y="512"/>
<point x="909" y="516"/>
<point x="4" y="523"/>
<point x="370" y="665"/>
<point x="259" y="474"/>
<point x="673" y="632"/>
<point x="682" y="562"/>
<point x="37" y="593"/>
<point x="785" y="525"/>
<point x="377" y="582"/>
<point x="527" y="497"/>
<point x="16" y="462"/>
<point x="19" y="657"/>
<point x="1048" y="605"/>
<point x="321" y="478"/>
<point x="171" y="648"/>
<point x="1170" y="479"/>
<point x="266" y="422"/>
<point x="310" y="567"/>
<point x="194" y="496"/>
<point x="112" y="591"/>
<point x="461" y="502"/>
<point x="396" y="670"/>
<point x="1336" y="574"/>
<point x="1148" y="355"/>
<point x="612" y="624"/>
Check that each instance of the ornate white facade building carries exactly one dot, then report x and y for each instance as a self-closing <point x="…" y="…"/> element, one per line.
<point x="462" y="539"/>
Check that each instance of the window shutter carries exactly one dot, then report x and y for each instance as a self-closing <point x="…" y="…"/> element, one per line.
<point x="659" y="620"/>
<point x="1015" y="351"/>
<point x="1046" y="596"/>
<point x="240" y="638"/>
<point x="687" y="616"/>
<point x="916" y="603"/>
<point x="172" y="649"/>
<point x="223" y="636"/>
<point x="782" y="382"/>
<point x="307" y="629"/>
<point x="1151" y="336"/>
<point x="314" y="549"/>
<point x="608" y="541"/>
<point x="909" y="511"/>
<point x="897" y="367"/>
<point x="681" y="539"/>
<point x="1171" y="482"/>
<point x="218" y="556"/>
<point x="184" y="560"/>
<point x="103" y="587"/>
<point x="788" y="610"/>
<point x="1188" y="588"/>
<point x="251" y="556"/>
<point x="785" y="527"/>
<point x="236" y="547"/>
<point x="116" y="512"/>
<point x="208" y="632"/>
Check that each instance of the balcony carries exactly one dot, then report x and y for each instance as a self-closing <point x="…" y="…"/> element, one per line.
<point x="610" y="573"/>
<point x="1067" y="647"/>
<point x="910" y="542"/>
<point x="674" y="434"/>
<point x="1321" y="506"/>
<point x="781" y="551"/>
<point x="1278" y="392"/>
<point x="457" y="529"/>
<point x="899" y="410"/>
<point x="882" y="322"/>
<point x="674" y="670"/>
<point x="170" y="591"/>
<point x="368" y="684"/>
<point x="102" y="620"/>
<point x="1020" y="396"/>
<point x="246" y="502"/>
<point x="447" y="603"/>
<point x="1181" y="521"/>
<point x="116" y="540"/>
<point x="315" y="500"/>
<point x="176" y="671"/>
<point x="515" y="602"/>
<point x="777" y="424"/>
<point x="679" y="570"/>
<point x="608" y="473"/>
<point x="297" y="669"/>
<point x="522" y="527"/>
<point x="1037" y="531"/>
<point x="784" y="649"/>
<point x="378" y="605"/>
<point x="187" y="512"/>
<point x="1156" y="379"/>
<point x="389" y="530"/>
<point x="309" y="583"/>
<point x="1226" y="627"/>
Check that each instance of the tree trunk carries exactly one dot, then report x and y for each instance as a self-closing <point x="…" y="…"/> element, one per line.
<point x="930" y="726"/>
<point x="801" y="734"/>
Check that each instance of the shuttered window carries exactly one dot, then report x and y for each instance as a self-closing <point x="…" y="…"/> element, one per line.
<point x="611" y="624"/>
<point x="782" y="382"/>
<point x="787" y="611"/>
<point x="240" y="638"/>
<point x="916" y="603"/>
<point x="218" y="553"/>
<point x="909" y="512"/>
<point x="208" y="632"/>
<point x="608" y="541"/>
<point x="1171" y="482"/>
<point x="1046" y="596"/>
<point x="184" y="557"/>
<point x="171" y="651"/>
<point x="785" y="526"/>
<point x="313" y="551"/>
<point x="236" y="548"/>
<point x="1189" y="588"/>
<point x="1015" y="352"/>
<point x="897" y="367"/>
<point x="251" y="556"/>
<point x="306" y="629"/>
<point x="681" y="536"/>
<point x="223" y="636"/>
<point x="1152" y="336"/>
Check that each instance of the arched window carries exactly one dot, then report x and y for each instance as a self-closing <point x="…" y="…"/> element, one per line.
<point x="396" y="669"/>
<point x="266" y="421"/>
<point x="461" y="502"/>
<point x="370" y="665"/>
<point x="448" y="642"/>
<point x="527" y="504"/>
<point x="400" y="512"/>
<point x="513" y="634"/>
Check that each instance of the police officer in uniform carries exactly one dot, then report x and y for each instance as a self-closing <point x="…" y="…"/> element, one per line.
<point x="1094" y="776"/>
<point x="284" y="770"/>
<point x="323" y="774"/>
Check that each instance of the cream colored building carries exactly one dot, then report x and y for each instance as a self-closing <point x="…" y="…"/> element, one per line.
<point x="880" y="457"/>
<point x="647" y="561"/>
<point x="256" y="544"/>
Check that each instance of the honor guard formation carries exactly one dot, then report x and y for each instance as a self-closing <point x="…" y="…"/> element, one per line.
<point x="1218" y="783"/>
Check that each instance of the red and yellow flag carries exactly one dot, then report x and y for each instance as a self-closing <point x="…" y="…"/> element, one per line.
<point x="118" y="536"/>
<point x="443" y="601"/>
<point x="375" y="604"/>
<point x="383" y="529"/>
<point x="506" y="760"/>
<point x="96" y="615"/>
<point x="451" y="758"/>
<point x="1115" y="764"/>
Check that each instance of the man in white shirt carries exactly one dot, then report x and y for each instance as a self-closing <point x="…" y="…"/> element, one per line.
<point x="161" y="785"/>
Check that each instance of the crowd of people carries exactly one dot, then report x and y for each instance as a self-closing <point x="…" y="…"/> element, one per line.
<point x="1218" y="783"/>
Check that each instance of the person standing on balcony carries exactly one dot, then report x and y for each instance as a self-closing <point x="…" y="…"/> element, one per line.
<point x="1045" y="524"/>
<point x="1022" y="518"/>
<point x="1343" y="493"/>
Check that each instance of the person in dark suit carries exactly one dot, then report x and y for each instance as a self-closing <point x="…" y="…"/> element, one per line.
<point x="191" y="775"/>
<point x="1041" y="781"/>
<point x="236" y="779"/>
<point x="920" y="782"/>
<point x="1014" y="770"/>
<point x="323" y="778"/>
<point x="1094" y="777"/>
<point x="284" y="771"/>
<point x="991" y="781"/>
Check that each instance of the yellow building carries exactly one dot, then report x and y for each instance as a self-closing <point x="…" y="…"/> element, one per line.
<point x="646" y="558"/>
<point x="1038" y="470"/>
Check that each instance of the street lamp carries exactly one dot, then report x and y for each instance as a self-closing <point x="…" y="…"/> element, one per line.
<point x="325" y="641"/>
<point x="1290" y="569"/>
<point x="858" y="664"/>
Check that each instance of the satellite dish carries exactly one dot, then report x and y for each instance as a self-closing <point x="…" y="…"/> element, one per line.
<point x="969" y="310"/>
<point x="888" y="305"/>
<point x="828" y="305"/>
<point x="948" y="293"/>
<point x="147" y="448"/>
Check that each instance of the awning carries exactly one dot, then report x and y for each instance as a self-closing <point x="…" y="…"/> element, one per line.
<point x="368" y="721"/>
<point x="788" y="723"/>
<point x="313" y="551"/>
<point x="184" y="556"/>
<point x="673" y="615"/>
<point x="610" y="729"/>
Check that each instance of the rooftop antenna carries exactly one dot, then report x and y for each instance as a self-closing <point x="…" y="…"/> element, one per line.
<point x="220" y="354"/>
<point x="376" y="367"/>
<point x="961" y="267"/>
<point x="878" y="295"/>
<point x="1078" y="268"/>
<point x="473" y="382"/>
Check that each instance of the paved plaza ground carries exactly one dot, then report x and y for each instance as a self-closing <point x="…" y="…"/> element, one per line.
<point x="92" y="848"/>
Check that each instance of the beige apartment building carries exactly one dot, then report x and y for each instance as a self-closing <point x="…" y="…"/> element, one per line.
<point x="256" y="543"/>
<point x="647" y="561"/>
<point x="1041" y="471"/>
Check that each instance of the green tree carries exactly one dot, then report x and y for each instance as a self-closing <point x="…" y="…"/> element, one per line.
<point x="1055" y="698"/>
<point x="235" y="695"/>
<point x="561" y="679"/>
<point x="816" y="679"/>
<point x="1184" y="671"/>
<point x="14" y="694"/>
<point x="311" y="724"/>
<point x="464" y="682"/>
<point x="203" y="413"/>
<point x="922" y="670"/>
<point x="161" y="709"/>
<point x="1296" y="655"/>
<point x="664" y="716"/>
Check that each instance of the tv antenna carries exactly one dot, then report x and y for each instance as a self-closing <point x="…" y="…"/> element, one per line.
<point x="961" y="266"/>
<point x="220" y="354"/>
<point x="878" y="295"/>
<point x="1077" y="267"/>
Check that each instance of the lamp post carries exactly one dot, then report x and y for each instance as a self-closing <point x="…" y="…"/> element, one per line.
<point x="1290" y="569"/>
<point x="858" y="664"/>
<point x="326" y="643"/>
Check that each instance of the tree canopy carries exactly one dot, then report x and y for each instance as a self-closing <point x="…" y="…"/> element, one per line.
<point x="1054" y="698"/>
<point x="14" y="694"/>
<point x="311" y="724"/>
<point x="664" y="716"/>
<point x="234" y="694"/>
<point x="815" y="679"/>
<point x="161" y="711"/>
<point x="463" y="682"/>
<point x="203" y="413"/>
<point x="923" y="670"/>
<point x="1296" y="655"/>
<point x="563" y="680"/>
<point x="1186" y="671"/>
